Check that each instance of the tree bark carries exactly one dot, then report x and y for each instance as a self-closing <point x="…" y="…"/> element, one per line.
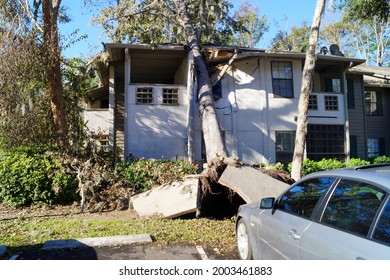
<point x="212" y="134"/>
<point x="50" y="11"/>
<point x="303" y="106"/>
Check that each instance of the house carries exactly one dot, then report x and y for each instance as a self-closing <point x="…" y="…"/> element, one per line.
<point x="151" y="104"/>
<point x="376" y="100"/>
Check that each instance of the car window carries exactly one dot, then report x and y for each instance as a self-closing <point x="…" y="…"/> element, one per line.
<point x="352" y="206"/>
<point x="382" y="230"/>
<point x="303" y="197"/>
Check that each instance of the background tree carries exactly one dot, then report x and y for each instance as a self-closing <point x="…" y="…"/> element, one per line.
<point x="25" y="116"/>
<point x="247" y="18"/>
<point x="50" y="15"/>
<point x="336" y="33"/>
<point x="303" y="106"/>
<point x="296" y="40"/>
<point x="362" y="31"/>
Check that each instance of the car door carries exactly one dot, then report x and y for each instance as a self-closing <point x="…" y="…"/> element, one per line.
<point x="280" y="229"/>
<point x="347" y="225"/>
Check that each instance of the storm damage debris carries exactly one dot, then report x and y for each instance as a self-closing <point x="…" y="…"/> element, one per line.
<point x="250" y="183"/>
<point x="169" y="201"/>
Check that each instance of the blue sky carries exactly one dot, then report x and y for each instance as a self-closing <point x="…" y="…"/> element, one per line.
<point x="281" y="14"/>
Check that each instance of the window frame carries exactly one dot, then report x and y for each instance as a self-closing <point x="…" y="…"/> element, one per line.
<point x="368" y="103"/>
<point x="284" y="134"/>
<point x="274" y="67"/>
<point x="383" y="210"/>
<point x="381" y="147"/>
<point x="168" y="98"/>
<point x="331" y="103"/>
<point x="139" y="100"/>
<point x="318" y="204"/>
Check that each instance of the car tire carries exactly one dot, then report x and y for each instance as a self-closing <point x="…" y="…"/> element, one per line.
<point x="243" y="241"/>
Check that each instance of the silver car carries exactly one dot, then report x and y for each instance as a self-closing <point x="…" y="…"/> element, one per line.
<point x="338" y="214"/>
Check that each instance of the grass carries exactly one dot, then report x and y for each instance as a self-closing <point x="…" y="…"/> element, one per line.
<point x="20" y="233"/>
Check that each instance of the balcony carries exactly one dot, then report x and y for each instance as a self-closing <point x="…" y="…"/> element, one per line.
<point x="327" y="108"/>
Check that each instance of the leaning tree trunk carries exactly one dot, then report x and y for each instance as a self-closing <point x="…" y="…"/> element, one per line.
<point x="53" y="69"/>
<point x="210" y="126"/>
<point x="303" y="106"/>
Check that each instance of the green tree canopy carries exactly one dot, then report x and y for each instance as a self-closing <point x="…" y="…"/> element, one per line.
<point x="296" y="40"/>
<point x="154" y="21"/>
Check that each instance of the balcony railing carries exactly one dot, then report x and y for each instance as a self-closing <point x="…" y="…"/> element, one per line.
<point x="327" y="107"/>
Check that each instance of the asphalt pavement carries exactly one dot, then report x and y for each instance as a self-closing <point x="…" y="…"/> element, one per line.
<point x="130" y="247"/>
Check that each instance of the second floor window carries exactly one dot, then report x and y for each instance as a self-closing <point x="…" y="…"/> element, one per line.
<point x="373" y="103"/>
<point x="332" y="85"/>
<point x="282" y="79"/>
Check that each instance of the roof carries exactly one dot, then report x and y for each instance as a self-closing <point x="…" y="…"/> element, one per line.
<point x="373" y="75"/>
<point x="328" y="62"/>
<point x="145" y="57"/>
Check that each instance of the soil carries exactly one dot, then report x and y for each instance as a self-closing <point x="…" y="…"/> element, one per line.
<point x="73" y="210"/>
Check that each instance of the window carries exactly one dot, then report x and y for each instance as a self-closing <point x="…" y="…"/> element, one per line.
<point x="353" y="206"/>
<point x="325" y="141"/>
<point x="350" y="94"/>
<point x="170" y="96"/>
<point x="284" y="146"/>
<point x="376" y="147"/>
<point x="301" y="199"/>
<point x="382" y="230"/>
<point x="313" y="102"/>
<point x="144" y="95"/>
<point x="332" y="85"/>
<point x="282" y="79"/>
<point x="373" y="103"/>
<point x="104" y="103"/>
<point x="331" y="103"/>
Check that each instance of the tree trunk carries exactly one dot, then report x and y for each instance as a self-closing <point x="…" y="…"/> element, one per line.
<point x="212" y="135"/>
<point x="303" y="106"/>
<point x="53" y="69"/>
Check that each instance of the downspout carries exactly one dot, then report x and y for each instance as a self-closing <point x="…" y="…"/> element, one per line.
<point x="126" y="105"/>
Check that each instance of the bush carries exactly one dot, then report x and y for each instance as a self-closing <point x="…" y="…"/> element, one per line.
<point x="143" y="174"/>
<point x="30" y="176"/>
<point x="381" y="159"/>
<point x="310" y="166"/>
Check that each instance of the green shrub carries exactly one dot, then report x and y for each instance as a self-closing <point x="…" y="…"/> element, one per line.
<point x="29" y="176"/>
<point x="310" y="166"/>
<point x="143" y="174"/>
<point x="381" y="159"/>
<point x="356" y="162"/>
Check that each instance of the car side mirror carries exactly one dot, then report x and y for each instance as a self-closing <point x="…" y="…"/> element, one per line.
<point x="267" y="203"/>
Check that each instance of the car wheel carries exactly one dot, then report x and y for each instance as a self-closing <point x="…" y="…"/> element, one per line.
<point x="243" y="242"/>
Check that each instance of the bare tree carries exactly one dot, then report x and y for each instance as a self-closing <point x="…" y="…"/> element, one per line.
<point x="303" y="106"/>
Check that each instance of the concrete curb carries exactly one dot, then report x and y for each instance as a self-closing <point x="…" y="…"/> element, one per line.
<point x="3" y="250"/>
<point x="97" y="242"/>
